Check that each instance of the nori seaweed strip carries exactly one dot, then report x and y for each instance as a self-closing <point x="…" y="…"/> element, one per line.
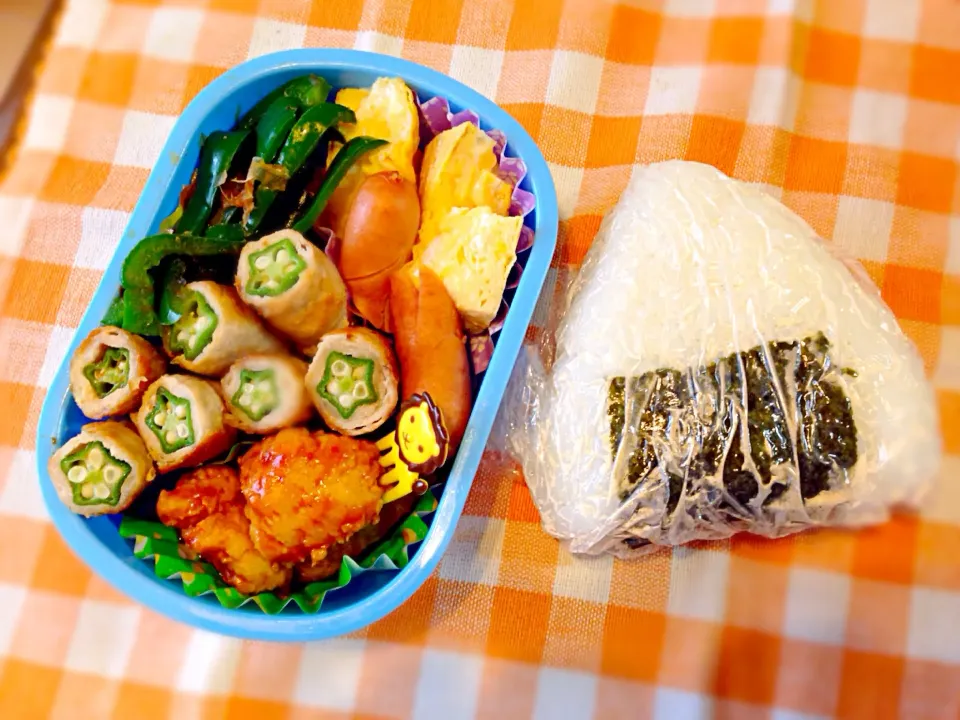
<point x="693" y="420"/>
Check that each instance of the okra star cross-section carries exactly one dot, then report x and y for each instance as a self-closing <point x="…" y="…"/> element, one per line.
<point x="347" y="383"/>
<point x="265" y="393"/>
<point x="95" y="475"/>
<point x="101" y="470"/>
<point x="171" y="421"/>
<point x="215" y="330"/>
<point x="257" y="394"/>
<point x="275" y="269"/>
<point x="109" y="372"/>
<point x="194" y="329"/>
<point x="182" y="423"/>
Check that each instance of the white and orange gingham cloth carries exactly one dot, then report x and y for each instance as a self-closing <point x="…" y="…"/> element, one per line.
<point x="847" y="110"/>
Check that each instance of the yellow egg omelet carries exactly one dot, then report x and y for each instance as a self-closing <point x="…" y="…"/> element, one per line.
<point x="458" y="172"/>
<point x="472" y="253"/>
<point x="387" y="110"/>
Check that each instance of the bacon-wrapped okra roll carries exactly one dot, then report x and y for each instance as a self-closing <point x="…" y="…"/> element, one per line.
<point x="110" y="370"/>
<point x="264" y="393"/>
<point x="294" y="286"/>
<point x="101" y="470"/>
<point x="353" y="380"/>
<point x="182" y="423"/>
<point x="215" y="330"/>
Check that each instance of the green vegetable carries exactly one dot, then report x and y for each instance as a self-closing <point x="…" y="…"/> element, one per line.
<point x="95" y="475"/>
<point x="216" y="156"/>
<point x="307" y="90"/>
<point x="109" y="372"/>
<point x="194" y="329"/>
<point x="253" y="115"/>
<point x="174" y="279"/>
<point x="275" y="269"/>
<point x="274" y="127"/>
<point x="308" y="130"/>
<point x="229" y="230"/>
<point x="347" y="383"/>
<point x="300" y="144"/>
<point x="171" y="421"/>
<point x="235" y="451"/>
<point x="257" y="394"/>
<point x="114" y="314"/>
<point x="139" y="315"/>
<point x="171" y="220"/>
<point x="347" y="156"/>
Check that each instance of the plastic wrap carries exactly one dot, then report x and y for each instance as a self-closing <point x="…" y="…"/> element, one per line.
<point x="717" y="369"/>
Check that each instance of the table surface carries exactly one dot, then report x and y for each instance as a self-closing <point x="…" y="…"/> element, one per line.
<point x="848" y="111"/>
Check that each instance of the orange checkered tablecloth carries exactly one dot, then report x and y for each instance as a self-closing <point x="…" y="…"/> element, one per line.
<point x="848" y="110"/>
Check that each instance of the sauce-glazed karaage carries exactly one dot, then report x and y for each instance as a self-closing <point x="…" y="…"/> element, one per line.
<point x="207" y="507"/>
<point x="307" y="491"/>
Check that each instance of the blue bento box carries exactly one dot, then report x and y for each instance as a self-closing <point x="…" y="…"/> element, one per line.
<point x="374" y="594"/>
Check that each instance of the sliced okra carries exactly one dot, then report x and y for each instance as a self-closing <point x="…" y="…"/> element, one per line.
<point x="110" y="372"/>
<point x="95" y="475"/>
<point x="171" y="421"/>
<point x="257" y="395"/>
<point x="194" y="329"/>
<point x="347" y="383"/>
<point x="275" y="269"/>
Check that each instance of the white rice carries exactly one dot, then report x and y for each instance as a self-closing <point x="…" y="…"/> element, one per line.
<point x="691" y="266"/>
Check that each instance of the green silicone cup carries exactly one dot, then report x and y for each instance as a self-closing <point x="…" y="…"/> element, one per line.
<point x="174" y="561"/>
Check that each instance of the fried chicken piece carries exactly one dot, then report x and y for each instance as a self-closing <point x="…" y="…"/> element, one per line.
<point x="207" y="507"/>
<point x="197" y="495"/>
<point x="390" y="515"/>
<point x="308" y="491"/>
<point x="223" y="539"/>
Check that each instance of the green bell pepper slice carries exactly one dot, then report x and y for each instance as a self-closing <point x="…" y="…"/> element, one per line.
<point x="347" y="383"/>
<point x="171" y="421"/>
<point x="171" y="290"/>
<point x="216" y="156"/>
<point x="299" y="145"/>
<point x="257" y="395"/>
<point x="109" y="372"/>
<point x="114" y="314"/>
<point x="95" y="475"/>
<point x="348" y="155"/>
<point x="139" y="315"/>
<point x="307" y="90"/>
<point x="274" y="127"/>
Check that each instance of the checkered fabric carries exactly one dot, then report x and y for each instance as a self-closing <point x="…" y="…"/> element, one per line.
<point x="847" y="110"/>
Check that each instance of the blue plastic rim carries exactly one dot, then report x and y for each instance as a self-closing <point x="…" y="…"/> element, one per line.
<point x="216" y="107"/>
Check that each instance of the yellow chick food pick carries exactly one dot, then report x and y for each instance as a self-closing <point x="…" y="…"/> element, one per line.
<point x="472" y="255"/>
<point x="388" y="111"/>
<point x="418" y="446"/>
<point x="458" y="172"/>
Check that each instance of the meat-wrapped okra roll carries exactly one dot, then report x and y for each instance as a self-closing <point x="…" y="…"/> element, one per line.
<point x="110" y="370"/>
<point x="264" y="393"/>
<point x="181" y="421"/>
<point x="215" y="330"/>
<point x="101" y="470"/>
<point x="353" y="380"/>
<point x="294" y="286"/>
